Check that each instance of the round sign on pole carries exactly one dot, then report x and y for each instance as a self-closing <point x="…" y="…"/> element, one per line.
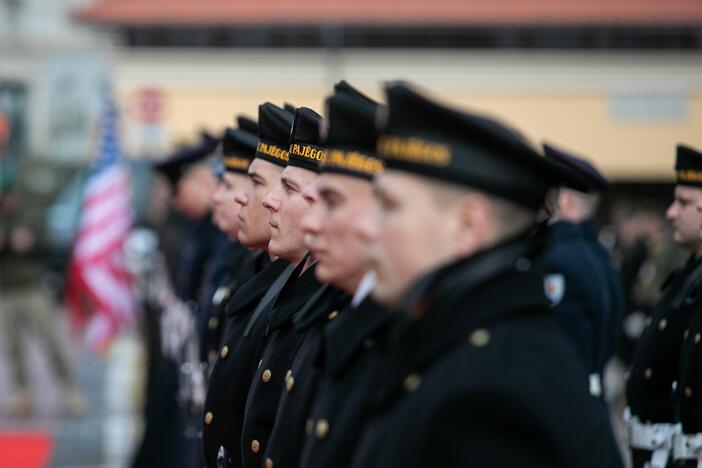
<point x="149" y="105"/>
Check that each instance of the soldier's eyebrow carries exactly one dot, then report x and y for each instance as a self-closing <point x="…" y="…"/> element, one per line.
<point x="684" y="199"/>
<point x="328" y="191"/>
<point x="256" y="176"/>
<point x="290" y="183"/>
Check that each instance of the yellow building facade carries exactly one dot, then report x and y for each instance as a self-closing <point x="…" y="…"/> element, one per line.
<point x="623" y="110"/>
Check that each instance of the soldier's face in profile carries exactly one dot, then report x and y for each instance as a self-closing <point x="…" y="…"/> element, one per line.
<point x="193" y="193"/>
<point x="412" y="234"/>
<point x="686" y="219"/>
<point x="286" y="206"/>
<point x="225" y="210"/>
<point x="254" y="231"/>
<point x="340" y="249"/>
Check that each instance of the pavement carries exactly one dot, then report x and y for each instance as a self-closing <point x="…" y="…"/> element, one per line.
<point x="107" y="434"/>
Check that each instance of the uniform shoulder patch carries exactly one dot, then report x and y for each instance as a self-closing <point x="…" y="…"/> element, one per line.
<point x="554" y="287"/>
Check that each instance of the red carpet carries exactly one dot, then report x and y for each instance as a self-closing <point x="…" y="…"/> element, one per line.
<point x="25" y="449"/>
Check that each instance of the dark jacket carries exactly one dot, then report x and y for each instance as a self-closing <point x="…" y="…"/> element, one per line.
<point x="586" y="303"/>
<point x="231" y="266"/>
<point x="234" y="369"/>
<point x="657" y="356"/>
<point x="616" y="288"/>
<point x="689" y="388"/>
<point x="194" y="260"/>
<point x="336" y="415"/>
<point x="302" y="378"/>
<point x="281" y="343"/>
<point x="483" y="378"/>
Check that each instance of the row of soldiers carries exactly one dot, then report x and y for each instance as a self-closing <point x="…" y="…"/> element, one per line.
<point x="405" y="284"/>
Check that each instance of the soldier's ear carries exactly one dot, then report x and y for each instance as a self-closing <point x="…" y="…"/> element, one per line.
<point x="472" y="224"/>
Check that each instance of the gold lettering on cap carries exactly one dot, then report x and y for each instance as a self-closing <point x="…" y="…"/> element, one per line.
<point x="272" y="150"/>
<point x="690" y="176"/>
<point x="413" y="149"/>
<point x="306" y="151"/>
<point x="352" y="160"/>
<point x="234" y="162"/>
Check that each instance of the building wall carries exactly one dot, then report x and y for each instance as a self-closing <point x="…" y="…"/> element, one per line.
<point x="625" y="111"/>
<point x="62" y="67"/>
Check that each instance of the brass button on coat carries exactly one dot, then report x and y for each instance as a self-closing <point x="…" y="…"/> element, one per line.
<point x="266" y="376"/>
<point x="648" y="373"/>
<point x="412" y="382"/>
<point x="698" y="338"/>
<point x="289" y="381"/>
<point x="212" y="323"/>
<point x="662" y="324"/>
<point x="688" y="392"/>
<point x="322" y="429"/>
<point x="208" y="417"/>
<point x="255" y="446"/>
<point x="333" y="315"/>
<point x="224" y="352"/>
<point x="479" y="338"/>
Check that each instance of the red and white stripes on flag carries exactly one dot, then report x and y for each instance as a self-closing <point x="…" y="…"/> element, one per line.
<point x="99" y="290"/>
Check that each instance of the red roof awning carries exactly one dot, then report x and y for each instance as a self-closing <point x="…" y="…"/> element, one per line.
<point x="393" y="12"/>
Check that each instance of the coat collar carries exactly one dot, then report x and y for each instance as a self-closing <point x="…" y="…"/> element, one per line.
<point x="457" y="299"/>
<point x="588" y="229"/>
<point x="564" y="230"/>
<point x="327" y="299"/>
<point x="253" y="290"/>
<point x="345" y="337"/>
<point x="296" y="292"/>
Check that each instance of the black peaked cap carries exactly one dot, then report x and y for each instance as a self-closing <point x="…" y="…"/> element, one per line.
<point x="305" y="141"/>
<point x="274" y="125"/>
<point x="351" y="134"/>
<point x="589" y="179"/>
<point x="175" y="165"/>
<point x="688" y="166"/>
<point x="238" y="149"/>
<point x="433" y="140"/>
<point x="247" y="123"/>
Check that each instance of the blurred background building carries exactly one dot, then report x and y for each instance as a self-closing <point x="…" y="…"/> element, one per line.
<point x="618" y="81"/>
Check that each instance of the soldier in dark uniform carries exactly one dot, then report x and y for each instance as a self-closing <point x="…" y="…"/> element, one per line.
<point x="293" y="320"/>
<point x="687" y="443"/>
<point x="344" y="189"/>
<point x="232" y="265"/>
<point x="328" y="306"/>
<point x="655" y="367"/>
<point x="234" y="368"/>
<point x="476" y="373"/>
<point x="192" y="183"/>
<point x="581" y="283"/>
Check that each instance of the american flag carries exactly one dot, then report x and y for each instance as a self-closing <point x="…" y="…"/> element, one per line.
<point x="99" y="290"/>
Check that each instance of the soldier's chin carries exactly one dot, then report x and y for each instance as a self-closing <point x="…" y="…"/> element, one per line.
<point x="241" y="235"/>
<point x="278" y="248"/>
<point x="250" y="241"/>
<point x="385" y="295"/>
<point x="324" y="273"/>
